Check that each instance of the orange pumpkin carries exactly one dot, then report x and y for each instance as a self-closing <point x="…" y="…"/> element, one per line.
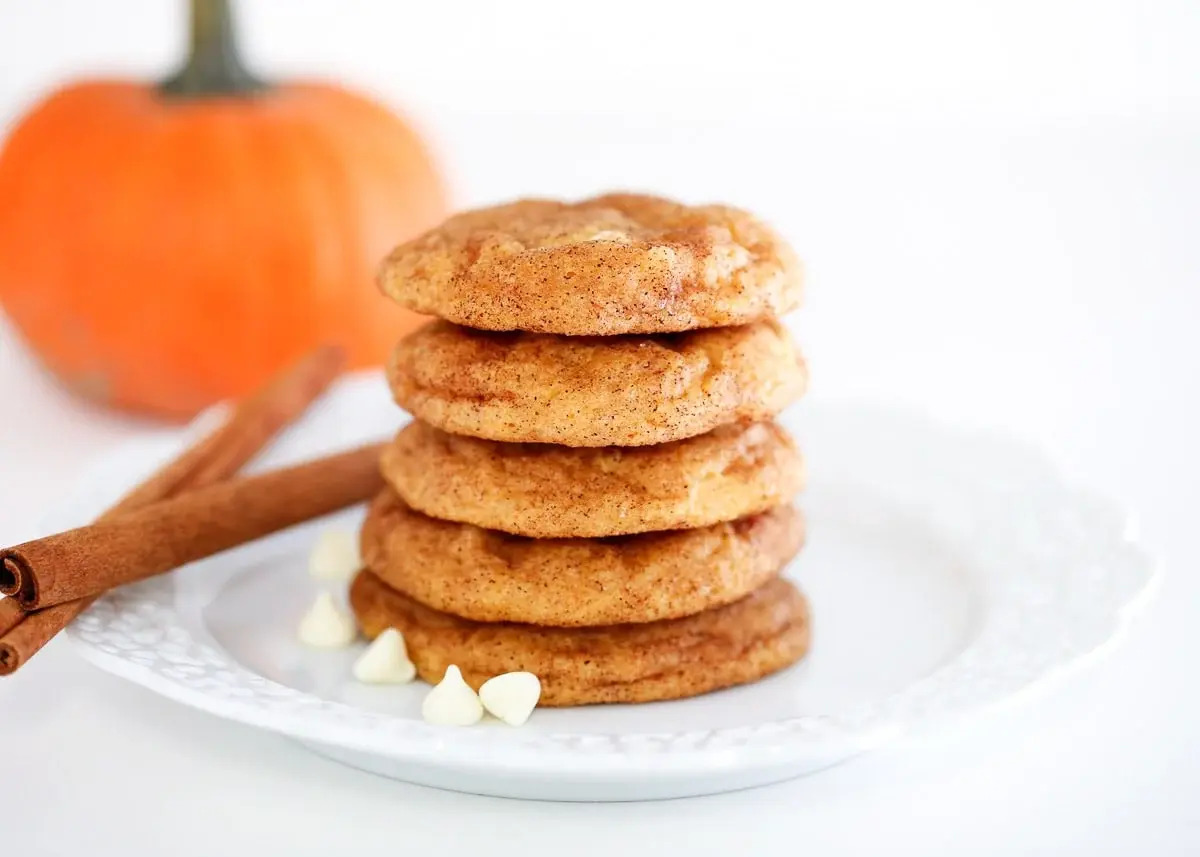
<point x="165" y="247"/>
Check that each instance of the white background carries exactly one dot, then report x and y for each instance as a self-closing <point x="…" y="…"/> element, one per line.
<point x="999" y="206"/>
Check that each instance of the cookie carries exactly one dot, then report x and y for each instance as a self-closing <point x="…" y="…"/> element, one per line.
<point x="620" y="263"/>
<point x="735" y="644"/>
<point x="594" y="391"/>
<point x="545" y="491"/>
<point x="491" y="576"/>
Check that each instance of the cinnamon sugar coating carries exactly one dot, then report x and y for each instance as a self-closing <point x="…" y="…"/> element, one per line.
<point x="738" y="643"/>
<point x="613" y="264"/>
<point x="548" y="491"/>
<point x="594" y="391"/>
<point x="491" y="576"/>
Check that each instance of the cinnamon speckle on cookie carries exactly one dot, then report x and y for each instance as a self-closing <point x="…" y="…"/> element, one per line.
<point x="612" y="264"/>
<point x="549" y="491"/>
<point x="594" y="391"/>
<point x="495" y="577"/>
<point x="738" y="643"/>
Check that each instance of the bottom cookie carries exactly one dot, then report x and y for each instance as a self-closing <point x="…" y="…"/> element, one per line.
<point x="672" y="659"/>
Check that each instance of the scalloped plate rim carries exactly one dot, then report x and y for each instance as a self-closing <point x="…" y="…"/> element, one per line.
<point x="770" y="742"/>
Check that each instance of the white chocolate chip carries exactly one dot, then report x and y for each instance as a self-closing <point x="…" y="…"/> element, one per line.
<point x="385" y="661"/>
<point x="335" y="556"/>
<point x="326" y="626"/>
<point x="452" y="702"/>
<point x="511" y="697"/>
<point x="610" y="235"/>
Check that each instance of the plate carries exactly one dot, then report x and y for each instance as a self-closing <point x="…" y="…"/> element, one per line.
<point x="948" y="571"/>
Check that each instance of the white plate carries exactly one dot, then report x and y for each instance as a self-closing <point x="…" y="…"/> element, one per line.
<point x="947" y="571"/>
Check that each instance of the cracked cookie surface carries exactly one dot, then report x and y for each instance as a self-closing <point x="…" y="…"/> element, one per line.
<point x="594" y="391"/>
<point x="613" y="264"/>
<point x="491" y="576"/>
<point x="738" y="643"/>
<point x="549" y="491"/>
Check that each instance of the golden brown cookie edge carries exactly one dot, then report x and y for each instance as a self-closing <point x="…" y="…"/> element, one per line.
<point x="378" y="607"/>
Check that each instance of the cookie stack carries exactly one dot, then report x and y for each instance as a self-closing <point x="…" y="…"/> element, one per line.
<point x="592" y="489"/>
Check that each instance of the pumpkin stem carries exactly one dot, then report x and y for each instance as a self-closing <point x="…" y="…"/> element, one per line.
<point x="214" y="65"/>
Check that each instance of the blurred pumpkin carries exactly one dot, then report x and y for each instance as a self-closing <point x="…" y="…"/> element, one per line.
<point x="164" y="247"/>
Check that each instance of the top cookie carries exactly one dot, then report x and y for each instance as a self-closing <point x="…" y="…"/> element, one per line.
<point x="620" y="263"/>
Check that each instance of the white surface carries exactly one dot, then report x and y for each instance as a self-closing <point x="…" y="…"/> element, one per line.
<point x="1020" y="60"/>
<point x="987" y="575"/>
<point x="998" y="204"/>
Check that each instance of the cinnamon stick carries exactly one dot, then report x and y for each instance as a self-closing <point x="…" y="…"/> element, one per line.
<point x="253" y="423"/>
<point x="217" y="456"/>
<point x="27" y="638"/>
<point x="196" y="524"/>
<point x="10" y="615"/>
